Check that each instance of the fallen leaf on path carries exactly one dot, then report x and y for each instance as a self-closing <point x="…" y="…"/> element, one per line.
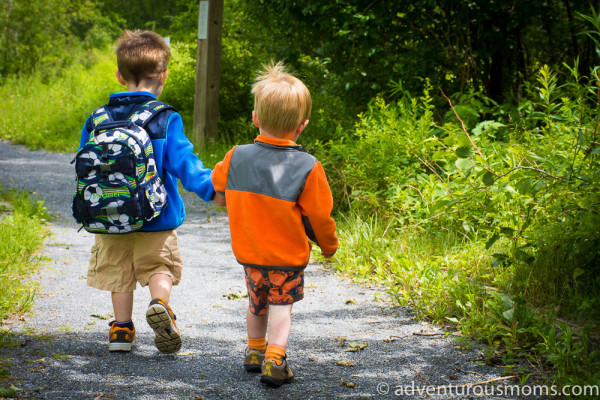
<point x="107" y="395"/>
<point x="350" y="301"/>
<point x="347" y="384"/>
<point x="235" y="296"/>
<point x="185" y="353"/>
<point x="99" y="316"/>
<point x="355" y="346"/>
<point x="345" y="363"/>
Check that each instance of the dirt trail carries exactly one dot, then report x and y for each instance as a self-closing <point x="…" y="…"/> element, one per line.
<point x="63" y="342"/>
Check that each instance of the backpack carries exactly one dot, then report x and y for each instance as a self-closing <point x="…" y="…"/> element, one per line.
<point x="118" y="187"/>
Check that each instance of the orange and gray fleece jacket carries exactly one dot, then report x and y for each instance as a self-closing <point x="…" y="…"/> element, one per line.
<point x="277" y="196"/>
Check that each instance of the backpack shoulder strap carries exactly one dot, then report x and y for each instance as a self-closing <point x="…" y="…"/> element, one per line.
<point x="142" y="114"/>
<point x="100" y="115"/>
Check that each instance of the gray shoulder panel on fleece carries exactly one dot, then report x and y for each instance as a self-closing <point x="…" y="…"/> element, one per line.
<point x="274" y="171"/>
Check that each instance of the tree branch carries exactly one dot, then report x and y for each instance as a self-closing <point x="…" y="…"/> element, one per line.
<point x="461" y="123"/>
<point x="529" y="168"/>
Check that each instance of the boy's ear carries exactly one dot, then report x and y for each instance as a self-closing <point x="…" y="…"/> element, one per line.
<point x="120" y="78"/>
<point x="163" y="77"/>
<point x="255" y="119"/>
<point x="301" y="127"/>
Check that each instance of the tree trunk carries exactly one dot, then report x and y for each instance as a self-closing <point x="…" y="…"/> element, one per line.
<point x="495" y="87"/>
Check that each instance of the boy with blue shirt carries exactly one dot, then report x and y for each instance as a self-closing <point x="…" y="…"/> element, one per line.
<point x="149" y="256"/>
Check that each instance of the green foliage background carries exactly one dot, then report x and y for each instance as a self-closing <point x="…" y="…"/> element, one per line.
<point x="461" y="140"/>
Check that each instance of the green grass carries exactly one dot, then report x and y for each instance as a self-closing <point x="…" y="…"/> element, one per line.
<point x="451" y="282"/>
<point x="22" y="233"/>
<point x="51" y="115"/>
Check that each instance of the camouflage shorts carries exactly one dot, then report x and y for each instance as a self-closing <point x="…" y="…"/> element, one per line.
<point x="269" y="286"/>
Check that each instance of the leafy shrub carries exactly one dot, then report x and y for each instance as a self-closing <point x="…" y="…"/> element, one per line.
<point x="377" y="165"/>
<point x="516" y="189"/>
<point x="532" y="181"/>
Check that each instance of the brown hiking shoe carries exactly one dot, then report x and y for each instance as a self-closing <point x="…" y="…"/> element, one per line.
<point x="120" y="338"/>
<point x="160" y="318"/>
<point x="253" y="360"/>
<point x="276" y="375"/>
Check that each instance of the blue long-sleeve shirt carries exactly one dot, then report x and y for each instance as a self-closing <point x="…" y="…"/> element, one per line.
<point x="173" y="153"/>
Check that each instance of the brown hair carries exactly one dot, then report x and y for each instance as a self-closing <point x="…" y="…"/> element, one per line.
<point x="142" y="55"/>
<point x="281" y="101"/>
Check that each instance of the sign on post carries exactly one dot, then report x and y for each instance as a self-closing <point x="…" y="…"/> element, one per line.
<point x="203" y="21"/>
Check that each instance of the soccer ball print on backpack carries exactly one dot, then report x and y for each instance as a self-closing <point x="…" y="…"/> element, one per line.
<point x="118" y="186"/>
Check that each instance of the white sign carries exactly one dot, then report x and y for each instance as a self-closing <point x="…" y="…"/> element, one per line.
<point x="203" y="21"/>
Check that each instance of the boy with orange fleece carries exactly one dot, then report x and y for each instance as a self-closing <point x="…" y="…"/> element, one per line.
<point x="276" y="197"/>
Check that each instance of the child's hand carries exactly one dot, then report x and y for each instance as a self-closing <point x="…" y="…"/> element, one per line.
<point x="327" y="255"/>
<point x="220" y="199"/>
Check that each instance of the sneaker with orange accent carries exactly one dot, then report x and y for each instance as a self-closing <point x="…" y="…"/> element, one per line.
<point x="275" y="374"/>
<point x="120" y="338"/>
<point x="253" y="360"/>
<point x="162" y="320"/>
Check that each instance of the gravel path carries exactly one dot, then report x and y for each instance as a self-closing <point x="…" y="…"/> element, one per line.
<point x="63" y="341"/>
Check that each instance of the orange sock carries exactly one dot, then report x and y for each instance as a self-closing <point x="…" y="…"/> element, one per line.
<point x="275" y="353"/>
<point x="258" y="344"/>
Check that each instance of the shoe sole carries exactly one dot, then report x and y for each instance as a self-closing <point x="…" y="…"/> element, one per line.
<point x="126" y="347"/>
<point x="166" y="336"/>
<point x="275" y="382"/>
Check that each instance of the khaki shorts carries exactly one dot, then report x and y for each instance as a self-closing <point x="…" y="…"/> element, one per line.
<point x="118" y="262"/>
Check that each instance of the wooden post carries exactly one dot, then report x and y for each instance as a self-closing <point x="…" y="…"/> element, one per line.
<point x="208" y="62"/>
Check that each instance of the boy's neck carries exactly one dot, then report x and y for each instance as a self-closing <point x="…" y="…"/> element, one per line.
<point x="152" y="86"/>
<point x="293" y="136"/>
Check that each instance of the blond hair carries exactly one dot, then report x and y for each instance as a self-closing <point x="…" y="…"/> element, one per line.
<point x="281" y="101"/>
<point x="142" y="55"/>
